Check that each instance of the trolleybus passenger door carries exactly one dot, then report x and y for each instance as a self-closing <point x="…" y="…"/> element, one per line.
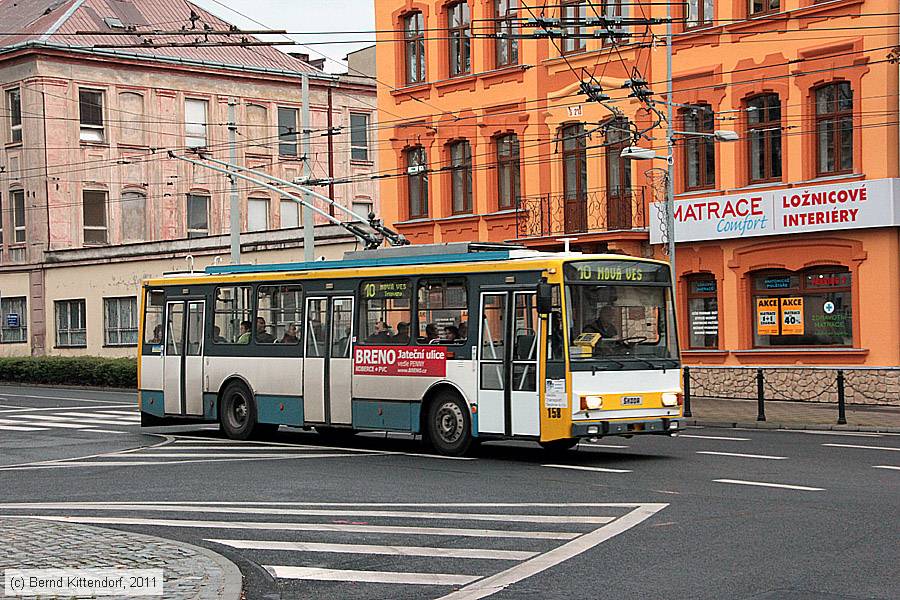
<point x="183" y="358"/>
<point x="524" y="395"/>
<point x="315" y="357"/>
<point x="192" y="370"/>
<point x="493" y="359"/>
<point x="340" y="365"/>
<point x="173" y="349"/>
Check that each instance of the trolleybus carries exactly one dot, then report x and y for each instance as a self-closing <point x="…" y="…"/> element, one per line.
<point x="458" y="342"/>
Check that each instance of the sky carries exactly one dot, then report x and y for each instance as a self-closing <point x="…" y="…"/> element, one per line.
<point x="304" y="16"/>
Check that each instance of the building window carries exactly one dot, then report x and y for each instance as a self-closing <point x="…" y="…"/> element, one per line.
<point x="699" y="151"/>
<point x="14" y="108"/>
<point x="615" y="9"/>
<point x="231" y="318"/>
<point x="803" y="308"/>
<point x="507" y="171"/>
<point x="1" y="225"/>
<point x="618" y="169"/>
<point x="699" y="13"/>
<point x="574" y="12"/>
<point x="458" y="21"/>
<point x="195" y="115"/>
<point x="287" y="131"/>
<point x="257" y="214"/>
<point x="71" y="331"/>
<point x="15" y="321"/>
<point x="18" y="202"/>
<point x="703" y="312"/>
<point x="359" y="136"/>
<point x="197" y="216"/>
<point x="132" y="126"/>
<point x="761" y="7"/>
<point x="120" y="326"/>
<point x="290" y="214"/>
<point x="133" y="217"/>
<point x="461" y="177"/>
<point x="95" y="218"/>
<point x="388" y="311"/>
<point x="90" y="107"/>
<point x="764" y="137"/>
<point x="443" y="312"/>
<point x="834" y="128"/>
<point x="414" y="44"/>
<point x="278" y="314"/>
<point x="362" y="207"/>
<point x="506" y="22"/>
<point x="574" y="158"/>
<point x="417" y="182"/>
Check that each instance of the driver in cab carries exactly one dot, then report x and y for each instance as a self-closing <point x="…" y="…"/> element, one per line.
<point x="604" y="324"/>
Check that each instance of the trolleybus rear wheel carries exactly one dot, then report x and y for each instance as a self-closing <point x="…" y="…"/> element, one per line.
<point x="238" y="416"/>
<point x="449" y="428"/>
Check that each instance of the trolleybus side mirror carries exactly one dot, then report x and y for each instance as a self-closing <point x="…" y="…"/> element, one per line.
<point x="544" y="298"/>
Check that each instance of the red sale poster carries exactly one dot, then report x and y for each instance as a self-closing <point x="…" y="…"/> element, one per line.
<point x="411" y="361"/>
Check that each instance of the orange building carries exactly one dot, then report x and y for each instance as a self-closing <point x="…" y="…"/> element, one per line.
<point x="788" y="240"/>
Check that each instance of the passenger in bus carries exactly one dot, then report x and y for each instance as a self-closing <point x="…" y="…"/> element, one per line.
<point x="263" y="336"/>
<point x="402" y="336"/>
<point x="451" y="334"/>
<point x="244" y="337"/>
<point x="217" y="335"/>
<point x="341" y="347"/>
<point x="604" y="324"/>
<point x="464" y="330"/>
<point x="381" y="334"/>
<point x="157" y="334"/>
<point x="431" y="333"/>
<point x="291" y="335"/>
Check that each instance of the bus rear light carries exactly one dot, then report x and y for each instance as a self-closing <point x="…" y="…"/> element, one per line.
<point x="591" y="402"/>
<point x="671" y="399"/>
<point x="680" y="399"/>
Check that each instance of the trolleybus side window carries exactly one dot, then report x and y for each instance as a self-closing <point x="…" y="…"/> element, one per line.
<point x="388" y="311"/>
<point x="443" y="312"/>
<point x="232" y="323"/>
<point x="278" y="314"/>
<point x="153" y="317"/>
<point x="316" y="334"/>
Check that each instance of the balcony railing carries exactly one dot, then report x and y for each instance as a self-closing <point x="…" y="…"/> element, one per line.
<point x="595" y="211"/>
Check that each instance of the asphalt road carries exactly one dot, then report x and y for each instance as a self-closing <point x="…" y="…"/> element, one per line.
<point x="712" y="513"/>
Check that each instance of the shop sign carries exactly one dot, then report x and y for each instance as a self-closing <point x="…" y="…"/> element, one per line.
<point x="853" y="205"/>
<point x="704" y="322"/>
<point x="767" y="316"/>
<point x="408" y="361"/>
<point x="792" y="316"/>
<point x="12" y="320"/>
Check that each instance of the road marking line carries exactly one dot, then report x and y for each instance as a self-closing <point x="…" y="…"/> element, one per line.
<point x="67" y="463"/>
<point x="97" y="415"/>
<point x="318" y="574"/>
<point x="235" y="447"/>
<point x="43" y="423"/>
<point x="773" y="485"/>
<point x="354" y="504"/>
<point x="449" y="516"/>
<point x="17" y="428"/>
<point x="397" y="529"/>
<point x="713" y="437"/>
<point x="886" y="467"/>
<point x="193" y="439"/>
<point x="373" y="549"/>
<point x="500" y="581"/>
<point x="863" y="447"/>
<point x="106" y="431"/>
<point x="844" y="433"/>
<point x="23" y="409"/>
<point x="225" y="455"/>
<point x="423" y="455"/>
<point x="130" y="413"/>
<point x="742" y="455"/>
<point x="93" y="421"/>
<point x="600" y="446"/>
<point x="582" y="468"/>
<point x="116" y="402"/>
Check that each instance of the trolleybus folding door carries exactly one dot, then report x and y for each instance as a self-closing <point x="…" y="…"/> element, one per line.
<point x="327" y="363"/>
<point x="183" y="357"/>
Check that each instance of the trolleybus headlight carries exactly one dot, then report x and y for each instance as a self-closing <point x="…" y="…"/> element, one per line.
<point x="591" y="402"/>
<point x="670" y="399"/>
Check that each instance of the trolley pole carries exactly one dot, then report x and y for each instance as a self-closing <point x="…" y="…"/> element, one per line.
<point x="309" y="234"/>
<point x="235" y="216"/>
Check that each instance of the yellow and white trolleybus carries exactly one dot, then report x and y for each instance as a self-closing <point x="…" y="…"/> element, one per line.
<point x="457" y="342"/>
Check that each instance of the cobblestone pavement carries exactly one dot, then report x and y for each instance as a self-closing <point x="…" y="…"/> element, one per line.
<point x="190" y="572"/>
<point x="803" y="415"/>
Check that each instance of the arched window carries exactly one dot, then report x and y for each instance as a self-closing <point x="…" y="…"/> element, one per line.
<point x="834" y="128"/>
<point x="508" y="189"/>
<point x="574" y="158"/>
<point x="764" y="137"/>
<point x="458" y="22"/>
<point x="506" y="13"/>
<point x="618" y="175"/>
<point x="417" y="182"/>
<point x="699" y="151"/>
<point x="134" y="217"/>
<point x="574" y="12"/>
<point x="414" y="47"/>
<point x="460" y="177"/>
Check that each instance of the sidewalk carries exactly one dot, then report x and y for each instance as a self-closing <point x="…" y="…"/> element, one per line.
<point x="724" y="412"/>
<point x="190" y="572"/>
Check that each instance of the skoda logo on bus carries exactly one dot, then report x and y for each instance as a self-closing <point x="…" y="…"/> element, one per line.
<point x="631" y="400"/>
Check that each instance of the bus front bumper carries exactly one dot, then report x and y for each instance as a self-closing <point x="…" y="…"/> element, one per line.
<point x="601" y="428"/>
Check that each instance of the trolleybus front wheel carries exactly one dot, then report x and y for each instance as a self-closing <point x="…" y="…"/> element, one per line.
<point x="238" y="416"/>
<point x="449" y="428"/>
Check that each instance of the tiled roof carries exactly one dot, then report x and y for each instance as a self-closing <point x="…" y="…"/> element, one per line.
<point x="55" y="22"/>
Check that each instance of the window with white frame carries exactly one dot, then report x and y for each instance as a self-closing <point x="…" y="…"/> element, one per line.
<point x="197" y="215"/>
<point x="120" y="327"/>
<point x="71" y="328"/>
<point x="287" y="131"/>
<point x="90" y="109"/>
<point x="18" y="206"/>
<point x="195" y="115"/>
<point x="362" y="207"/>
<point x="95" y="218"/>
<point x="15" y="322"/>
<point x="359" y="136"/>
<point x="14" y="108"/>
<point x="699" y="13"/>
<point x="290" y="214"/>
<point x="257" y="214"/>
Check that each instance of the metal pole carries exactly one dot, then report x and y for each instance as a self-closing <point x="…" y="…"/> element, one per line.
<point x="842" y="404"/>
<point x="309" y="234"/>
<point x="687" y="392"/>
<point x="760" y="397"/>
<point x="670" y="145"/>
<point x="235" y="217"/>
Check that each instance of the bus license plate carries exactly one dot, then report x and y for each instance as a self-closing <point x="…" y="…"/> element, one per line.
<point x="631" y="400"/>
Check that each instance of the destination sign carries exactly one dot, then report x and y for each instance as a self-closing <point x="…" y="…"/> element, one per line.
<point x="386" y="289"/>
<point x="616" y="271"/>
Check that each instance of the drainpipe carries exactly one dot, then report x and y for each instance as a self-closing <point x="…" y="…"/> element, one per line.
<point x="330" y="149"/>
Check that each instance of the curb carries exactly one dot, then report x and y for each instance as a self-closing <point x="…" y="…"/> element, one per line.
<point x="790" y="426"/>
<point x="85" y="388"/>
